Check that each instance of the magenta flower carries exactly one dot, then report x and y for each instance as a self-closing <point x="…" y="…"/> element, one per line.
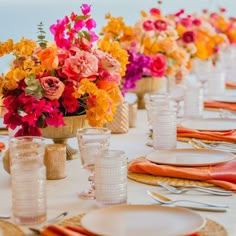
<point x="85" y="8"/>
<point x="90" y="24"/>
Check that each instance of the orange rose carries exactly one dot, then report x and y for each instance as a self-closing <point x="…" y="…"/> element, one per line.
<point x="48" y="57"/>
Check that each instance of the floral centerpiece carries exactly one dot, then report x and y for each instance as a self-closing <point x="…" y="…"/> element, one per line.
<point x="48" y="81"/>
<point x="152" y="46"/>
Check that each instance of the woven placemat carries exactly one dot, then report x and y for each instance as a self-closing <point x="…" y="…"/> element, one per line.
<point x="10" y="229"/>
<point x="152" y="180"/>
<point x="211" y="227"/>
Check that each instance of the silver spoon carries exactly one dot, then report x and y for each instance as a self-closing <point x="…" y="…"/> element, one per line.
<point x="201" y="205"/>
<point x="180" y="190"/>
<point x="5" y="217"/>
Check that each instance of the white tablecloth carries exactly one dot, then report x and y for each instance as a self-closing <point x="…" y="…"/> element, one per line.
<point x="62" y="194"/>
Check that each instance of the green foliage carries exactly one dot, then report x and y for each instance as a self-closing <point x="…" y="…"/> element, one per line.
<point x="33" y="87"/>
<point x="41" y="36"/>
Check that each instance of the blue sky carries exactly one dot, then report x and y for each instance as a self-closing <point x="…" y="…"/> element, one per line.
<point x="20" y="17"/>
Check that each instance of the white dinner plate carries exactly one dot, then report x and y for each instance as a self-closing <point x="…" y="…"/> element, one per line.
<point x="226" y="98"/>
<point x="189" y="157"/>
<point x="210" y="124"/>
<point x="151" y="220"/>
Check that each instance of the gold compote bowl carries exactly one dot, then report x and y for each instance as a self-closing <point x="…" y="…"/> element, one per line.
<point x="62" y="133"/>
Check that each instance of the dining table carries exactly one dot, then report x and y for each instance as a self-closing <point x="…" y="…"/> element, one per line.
<point x="62" y="195"/>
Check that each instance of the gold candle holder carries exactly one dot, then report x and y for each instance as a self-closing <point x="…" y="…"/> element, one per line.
<point x="55" y="161"/>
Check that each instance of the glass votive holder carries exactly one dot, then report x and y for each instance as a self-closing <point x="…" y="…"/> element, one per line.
<point x="111" y="178"/>
<point x="164" y="130"/>
<point x="28" y="180"/>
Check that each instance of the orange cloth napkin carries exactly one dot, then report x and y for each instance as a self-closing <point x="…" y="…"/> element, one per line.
<point x="2" y="146"/>
<point x="56" y="230"/>
<point x="220" y="105"/>
<point x="227" y="136"/>
<point x="223" y="175"/>
<point x="230" y="84"/>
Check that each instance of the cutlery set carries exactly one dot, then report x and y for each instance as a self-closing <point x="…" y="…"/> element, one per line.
<point x="195" y="188"/>
<point x="223" y="146"/>
<point x="195" y="205"/>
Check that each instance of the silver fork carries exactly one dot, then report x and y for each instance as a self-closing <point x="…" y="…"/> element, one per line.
<point x="228" y="147"/>
<point x="195" y="188"/>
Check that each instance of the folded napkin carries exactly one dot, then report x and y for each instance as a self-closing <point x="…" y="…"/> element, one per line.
<point x="223" y="175"/>
<point x="226" y="136"/>
<point x="230" y="84"/>
<point x="2" y="146"/>
<point x="56" y="230"/>
<point x="220" y="105"/>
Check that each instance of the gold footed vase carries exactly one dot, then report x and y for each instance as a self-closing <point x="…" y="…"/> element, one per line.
<point x="147" y="85"/>
<point x="62" y="133"/>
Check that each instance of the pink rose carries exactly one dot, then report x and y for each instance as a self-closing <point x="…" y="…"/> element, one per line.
<point x="158" y="65"/>
<point x="148" y="25"/>
<point x="108" y="67"/>
<point x="188" y="37"/>
<point x="81" y="64"/>
<point x="160" y="25"/>
<point x="186" y="22"/>
<point x="52" y="86"/>
<point x="197" y="22"/>
<point x="155" y="11"/>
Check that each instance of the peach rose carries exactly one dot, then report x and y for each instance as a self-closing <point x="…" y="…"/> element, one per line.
<point x="81" y="64"/>
<point x="52" y="86"/>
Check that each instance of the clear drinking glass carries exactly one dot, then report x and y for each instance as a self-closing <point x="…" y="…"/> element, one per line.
<point x="92" y="142"/>
<point x="154" y="102"/>
<point x="111" y="178"/>
<point x="164" y="130"/>
<point x="28" y="180"/>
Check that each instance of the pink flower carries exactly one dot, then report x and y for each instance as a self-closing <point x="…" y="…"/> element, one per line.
<point x="160" y="25"/>
<point x="79" y="24"/>
<point x="85" y="8"/>
<point x="148" y="25"/>
<point x="107" y="62"/>
<point x="179" y="13"/>
<point x="158" y="65"/>
<point x="81" y="64"/>
<point x="52" y="86"/>
<point x="186" y="22"/>
<point x="90" y="24"/>
<point x="155" y="11"/>
<point x="108" y="67"/>
<point x="55" y="119"/>
<point x="197" y="22"/>
<point x="188" y="37"/>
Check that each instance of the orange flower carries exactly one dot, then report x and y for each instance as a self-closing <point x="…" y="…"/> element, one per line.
<point x="48" y="57"/>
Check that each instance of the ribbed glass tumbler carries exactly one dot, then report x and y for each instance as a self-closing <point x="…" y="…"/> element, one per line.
<point x="164" y="130"/>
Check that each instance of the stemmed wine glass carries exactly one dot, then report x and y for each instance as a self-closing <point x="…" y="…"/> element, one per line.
<point x="92" y="142"/>
<point x="202" y="69"/>
<point x="176" y="90"/>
